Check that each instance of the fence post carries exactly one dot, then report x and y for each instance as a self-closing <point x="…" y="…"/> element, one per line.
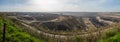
<point x="4" y="29"/>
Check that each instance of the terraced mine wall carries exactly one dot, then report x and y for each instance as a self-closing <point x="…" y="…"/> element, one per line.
<point x="89" y="37"/>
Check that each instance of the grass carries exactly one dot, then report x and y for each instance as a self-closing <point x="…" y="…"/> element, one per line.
<point x="15" y="34"/>
<point x="112" y="35"/>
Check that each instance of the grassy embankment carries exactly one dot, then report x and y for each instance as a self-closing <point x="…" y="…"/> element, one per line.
<point x="112" y="35"/>
<point x="14" y="33"/>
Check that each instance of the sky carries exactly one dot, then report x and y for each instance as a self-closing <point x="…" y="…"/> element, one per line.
<point x="59" y="5"/>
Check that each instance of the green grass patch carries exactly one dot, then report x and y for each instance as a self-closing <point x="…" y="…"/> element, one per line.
<point x="15" y="34"/>
<point x="112" y="35"/>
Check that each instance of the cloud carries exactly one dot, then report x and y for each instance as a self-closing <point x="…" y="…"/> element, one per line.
<point x="50" y="5"/>
<point x="62" y="5"/>
<point x="65" y="5"/>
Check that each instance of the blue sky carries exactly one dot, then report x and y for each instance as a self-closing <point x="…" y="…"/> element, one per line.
<point x="59" y="5"/>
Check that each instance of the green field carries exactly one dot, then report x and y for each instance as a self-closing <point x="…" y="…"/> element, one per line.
<point x="111" y="35"/>
<point x="15" y="34"/>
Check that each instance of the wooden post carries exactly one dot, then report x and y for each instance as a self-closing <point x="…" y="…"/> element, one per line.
<point x="4" y="28"/>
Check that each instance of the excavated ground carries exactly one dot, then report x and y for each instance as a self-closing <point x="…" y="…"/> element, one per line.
<point x="69" y="25"/>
